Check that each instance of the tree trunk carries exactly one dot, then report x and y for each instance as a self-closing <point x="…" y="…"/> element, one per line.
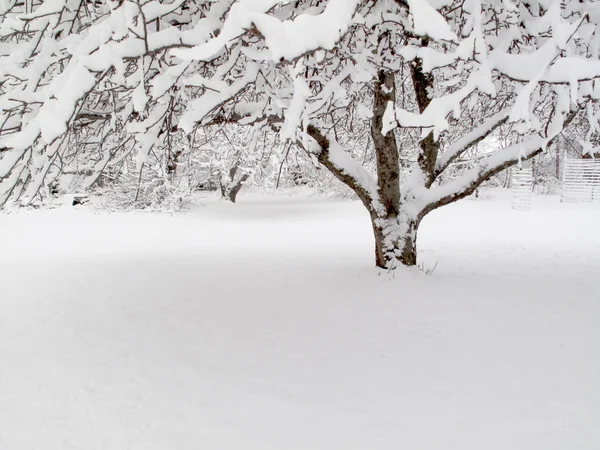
<point x="172" y="162"/>
<point x="395" y="242"/>
<point x="231" y="187"/>
<point x="391" y="236"/>
<point x="557" y="162"/>
<point x="394" y="230"/>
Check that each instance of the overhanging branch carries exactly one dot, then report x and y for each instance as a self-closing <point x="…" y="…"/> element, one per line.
<point x="344" y="174"/>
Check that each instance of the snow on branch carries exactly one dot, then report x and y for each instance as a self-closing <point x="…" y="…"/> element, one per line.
<point x="429" y="22"/>
<point x="495" y="163"/>
<point x="291" y="39"/>
<point x="286" y="40"/>
<point x="491" y="165"/>
<point x="343" y="166"/>
<point x="143" y="71"/>
<point x="436" y="114"/>
<point x="203" y="106"/>
<point x="470" y="140"/>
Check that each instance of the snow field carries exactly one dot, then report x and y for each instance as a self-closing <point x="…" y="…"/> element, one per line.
<point x="263" y="325"/>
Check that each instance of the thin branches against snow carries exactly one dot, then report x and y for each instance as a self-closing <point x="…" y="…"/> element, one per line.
<point x="152" y="73"/>
<point x="469" y="140"/>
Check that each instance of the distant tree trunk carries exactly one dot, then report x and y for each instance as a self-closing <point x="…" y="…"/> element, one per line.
<point x="172" y="163"/>
<point x="533" y="173"/>
<point x="507" y="178"/>
<point x="231" y="187"/>
<point x="557" y="162"/>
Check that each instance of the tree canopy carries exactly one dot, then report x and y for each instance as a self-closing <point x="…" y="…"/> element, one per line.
<point x="85" y="84"/>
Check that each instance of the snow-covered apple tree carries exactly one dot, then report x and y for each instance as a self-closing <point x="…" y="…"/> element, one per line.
<point x="429" y="79"/>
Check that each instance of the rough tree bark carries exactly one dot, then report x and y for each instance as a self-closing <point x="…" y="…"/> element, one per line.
<point x="231" y="185"/>
<point x="395" y="233"/>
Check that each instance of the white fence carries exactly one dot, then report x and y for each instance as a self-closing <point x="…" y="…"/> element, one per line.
<point x="522" y="188"/>
<point x="581" y="180"/>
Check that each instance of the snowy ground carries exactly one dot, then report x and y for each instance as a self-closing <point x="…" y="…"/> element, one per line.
<point x="263" y="326"/>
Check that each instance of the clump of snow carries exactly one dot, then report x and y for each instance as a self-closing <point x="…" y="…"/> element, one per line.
<point x="428" y="22"/>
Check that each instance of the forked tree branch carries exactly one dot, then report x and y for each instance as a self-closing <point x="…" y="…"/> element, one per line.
<point x="490" y="166"/>
<point x="469" y="140"/>
<point x="342" y="174"/>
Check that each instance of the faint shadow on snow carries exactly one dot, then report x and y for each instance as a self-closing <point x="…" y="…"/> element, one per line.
<point x="256" y="327"/>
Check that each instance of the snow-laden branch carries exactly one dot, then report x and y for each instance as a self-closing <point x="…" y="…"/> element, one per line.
<point x="201" y="107"/>
<point x="345" y="168"/>
<point x="470" y="140"/>
<point x="467" y="183"/>
<point x="436" y="114"/>
<point x="546" y="64"/>
<point x="427" y="21"/>
<point x="496" y="162"/>
<point x="286" y="40"/>
<point x="87" y="60"/>
<point x="224" y="66"/>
